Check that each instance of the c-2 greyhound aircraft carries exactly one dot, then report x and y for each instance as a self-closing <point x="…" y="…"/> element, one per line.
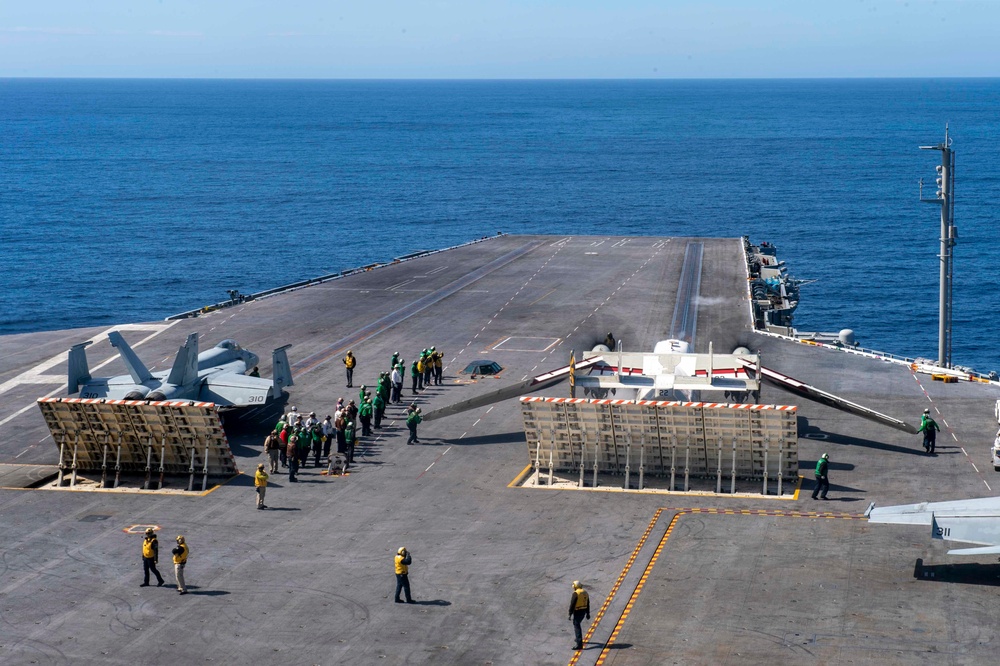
<point x="216" y="375"/>
<point x="971" y="521"/>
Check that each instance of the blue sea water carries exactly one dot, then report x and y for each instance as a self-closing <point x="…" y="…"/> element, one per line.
<point x="130" y="200"/>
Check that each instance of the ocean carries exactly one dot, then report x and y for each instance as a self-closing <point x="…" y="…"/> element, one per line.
<point x="131" y="200"/>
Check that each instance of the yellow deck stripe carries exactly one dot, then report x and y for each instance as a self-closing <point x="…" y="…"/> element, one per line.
<point x="659" y="549"/>
<point x="614" y="589"/>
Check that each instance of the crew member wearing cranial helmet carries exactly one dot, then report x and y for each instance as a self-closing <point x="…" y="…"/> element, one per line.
<point x="150" y="556"/>
<point x="349" y="363"/>
<point x="579" y="607"/>
<point x="180" y="553"/>
<point x="260" y="484"/>
<point x="822" y="481"/>
<point x="403" y="561"/>
<point x="929" y="427"/>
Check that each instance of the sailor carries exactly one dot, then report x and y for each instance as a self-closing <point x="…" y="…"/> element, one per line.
<point x="350" y="439"/>
<point x="260" y="483"/>
<point x="378" y="409"/>
<point x="316" y="433"/>
<point x="292" y="416"/>
<point x="428" y="366"/>
<point x="383" y="387"/>
<point x="255" y="372"/>
<point x="284" y="435"/>
<point x="180" y="553"/>
<point x="304" y="444"/>
<point x="339" y="422"/>
<point x="396" y="378"/>
<point x="272" y="447"/>
<point x="822" y="481"/>
<point x="150" y="556"/>
<point x="610" y="342"/>
<point x="365" y="416"/>
<point x="579" y="607"/>
<point x="413" y="419"/>
<point x="438" y="366"/>
<point x="349" y="363"/>
<point x="328" y="435"/>
<point x="929" y="427"/>
<point x="415" y="370"/>
<point x="403" y="561"/>
<point x="292" y="456"/>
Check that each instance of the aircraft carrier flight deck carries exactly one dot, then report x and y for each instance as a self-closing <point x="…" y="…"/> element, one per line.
<point x="673" y="577"/>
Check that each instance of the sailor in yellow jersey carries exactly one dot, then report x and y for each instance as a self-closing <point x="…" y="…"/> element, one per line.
<point x="180" y="552"/>
<point x="150" y="556"/>
<point x="402" y="575"/>
<point x="349" y="363"/>
<point x="579" y="606"/>
<point x="260" y="483"/>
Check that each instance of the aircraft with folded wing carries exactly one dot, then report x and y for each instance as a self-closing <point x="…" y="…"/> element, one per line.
<point x="971" y="521"/>
<point x="217" y="375"/>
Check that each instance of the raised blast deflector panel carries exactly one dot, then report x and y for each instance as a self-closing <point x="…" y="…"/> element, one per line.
<point x="697" y="435"/>
<point x="184" y="434"/>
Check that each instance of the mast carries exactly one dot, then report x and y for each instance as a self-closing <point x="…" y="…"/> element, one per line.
<point x="944" y="197"/>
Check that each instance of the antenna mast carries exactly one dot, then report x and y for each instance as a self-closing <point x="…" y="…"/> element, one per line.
<point x="945" y="197"/>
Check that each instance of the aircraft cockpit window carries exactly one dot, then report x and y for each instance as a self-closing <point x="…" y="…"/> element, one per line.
<point x="230" y="345"/>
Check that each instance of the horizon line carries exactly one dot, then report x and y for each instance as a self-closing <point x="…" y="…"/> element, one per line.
<point x="498" y="79"/>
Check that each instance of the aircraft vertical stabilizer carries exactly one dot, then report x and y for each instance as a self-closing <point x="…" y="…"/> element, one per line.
<point x="79" y="370"/>
<point x="185" y="368"/>
<point x="281" y="370"/>
<point x="136" y="369"/>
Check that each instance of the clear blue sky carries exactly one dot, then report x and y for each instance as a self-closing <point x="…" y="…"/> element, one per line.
<point x="499" y="38"/>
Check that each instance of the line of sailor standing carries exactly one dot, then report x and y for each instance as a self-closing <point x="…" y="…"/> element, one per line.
<point x="297" y="436"/>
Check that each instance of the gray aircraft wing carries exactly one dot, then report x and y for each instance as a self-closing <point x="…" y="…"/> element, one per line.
<point x="972" y="521"/>
<point x="108" y="388"/>
<point x="229" y="389"/>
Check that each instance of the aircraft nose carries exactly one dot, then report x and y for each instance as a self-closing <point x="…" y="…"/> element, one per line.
<point x="252" y="359"/>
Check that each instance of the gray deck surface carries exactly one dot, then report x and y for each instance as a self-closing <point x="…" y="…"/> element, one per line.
<point x="310" y="580"/>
